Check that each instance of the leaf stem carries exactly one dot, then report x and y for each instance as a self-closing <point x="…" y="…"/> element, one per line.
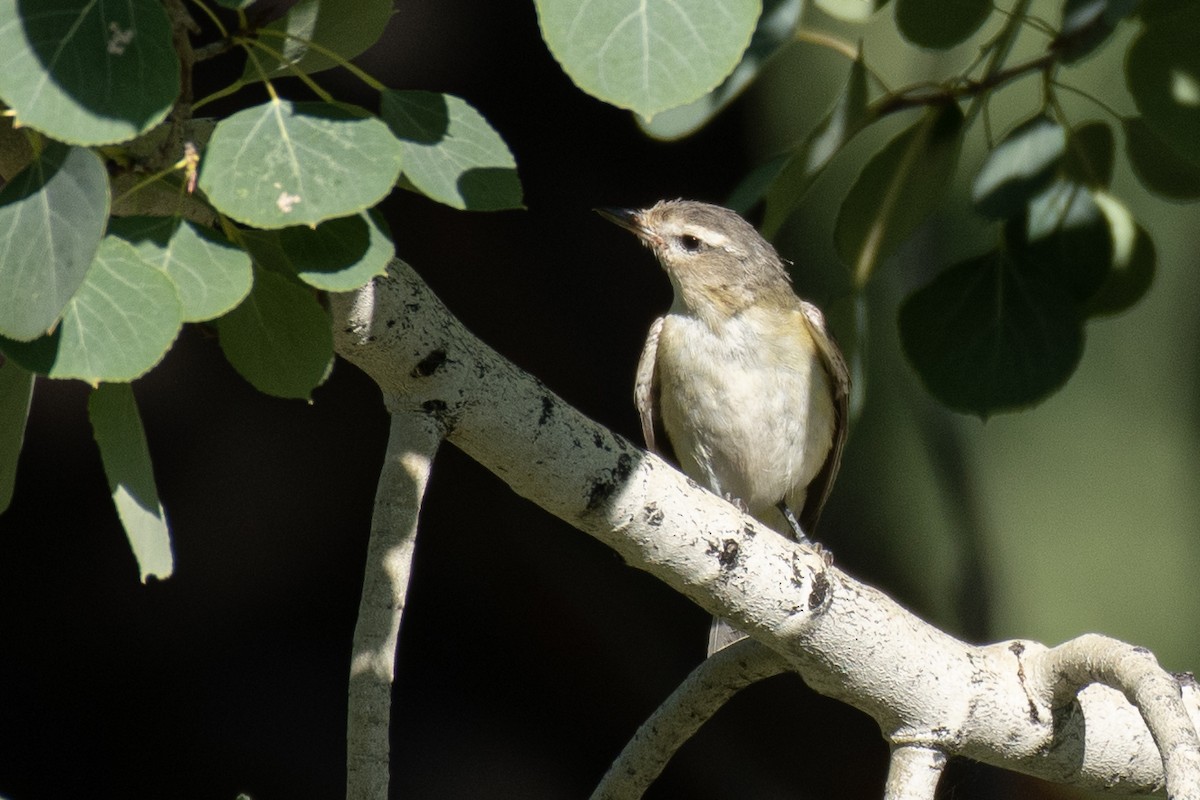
<point x="350" y="67"/>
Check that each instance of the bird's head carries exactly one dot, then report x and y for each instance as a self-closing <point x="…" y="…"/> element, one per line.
<point x="717" y="262"/>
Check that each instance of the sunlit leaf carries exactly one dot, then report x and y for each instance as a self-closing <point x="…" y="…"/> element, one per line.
<point x="648" y="55"/>
<point x="279" y="339"/>
<point x="87" y="72"/>
<point x="117" y="427"/>
<point x="450" y="152"/>
<point x="210" y="274"/>
<point x="992" y="334"/>
<point x="283" y="163"/>
<point x="52" y="218"/>
<point x="116" y="327"/>
<point x="773" y="33"/>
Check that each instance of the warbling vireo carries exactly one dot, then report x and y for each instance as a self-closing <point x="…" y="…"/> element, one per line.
<point x="741" y="374"/>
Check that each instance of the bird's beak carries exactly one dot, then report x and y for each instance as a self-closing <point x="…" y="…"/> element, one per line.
<point x="628" y="218"/>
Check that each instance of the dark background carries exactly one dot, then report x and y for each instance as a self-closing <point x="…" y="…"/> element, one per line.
<point x="529" y="652"/>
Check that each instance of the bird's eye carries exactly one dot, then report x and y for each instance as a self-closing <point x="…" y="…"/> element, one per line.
<point x="690" y="243"/>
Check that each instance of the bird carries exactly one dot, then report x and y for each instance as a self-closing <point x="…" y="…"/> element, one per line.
<point x="740" y="382"/>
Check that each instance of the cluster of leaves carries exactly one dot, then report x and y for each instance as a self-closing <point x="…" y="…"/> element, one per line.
<point x="114" y="231"/>
<point x="998" y="331"/>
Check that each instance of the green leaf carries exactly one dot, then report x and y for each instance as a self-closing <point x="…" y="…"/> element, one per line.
<point x="284" y="163"/>
<point x="1091" y="152"/>
<point x="1149" y="10"/>
<point x="773" y="33"/>
<point x="1129" y="280"/>
<point x="337" y="256"/>
<point x="897" y="190"/>
<point x="647" y="55"/>
<point x="991" y="334"/>
<point x="117" y="326"/>
<point x="87" y="72"/>
<point x="118" y="431"/>
<point x="36" y="356"/>
<point x="1066" y="233"/>
<point x="16" y="151"/>
<point x="210" y="274"/>
<point x="1162" y="69"/>
<point x="52" y="217"/>
<point x="346" y="27"/>
<point x="1157" y="165"/>
<point x="1087" y="24"/>
<point x="450" y="152"/>
<point x="847" y="117"/>
<point x="850" y="10"/>
<point x="16" y="392"/>
<point x="751" y="189"/>
<point x="938" y="24"/>
<point x="279" y="339"/>
<point x="1019" y="167"/>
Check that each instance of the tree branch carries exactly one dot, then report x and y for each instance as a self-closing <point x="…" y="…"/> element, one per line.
<point x="702" y="694"/>
<point x="914" y="772"/>
<point x="927" y="691"/>
<point x="412" y="443"/>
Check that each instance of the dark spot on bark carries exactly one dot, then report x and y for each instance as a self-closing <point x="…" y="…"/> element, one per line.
<point x="605" y="487"/>
<point x="437" y="408"/>
<point x="1185" y="678"/>
<point x="726" y="553"/>
<point x="820" y="591"/>
<point x="391" y="323"/>
<point x="429" y="364"/>
<point x="1143" y="651"/>
<point x="547" y="409"/>
<point x="1016" y="648"/>
<point x="654" y="515"/>
<point x="597" y="439"/>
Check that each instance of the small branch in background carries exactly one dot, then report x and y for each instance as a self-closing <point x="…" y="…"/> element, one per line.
<point x="702" y="694"/>
<point x="412" y="443"/>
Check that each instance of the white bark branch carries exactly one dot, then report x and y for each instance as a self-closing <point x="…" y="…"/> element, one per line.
<point x="412" y="443"/>
<point x="929" y="692"/>
<point x="702" y="694"/>
<point x="913" y="773"/>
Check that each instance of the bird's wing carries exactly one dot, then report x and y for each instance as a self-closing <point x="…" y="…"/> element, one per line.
<point x="839" y="377"/>
<point x="645" y="391"/>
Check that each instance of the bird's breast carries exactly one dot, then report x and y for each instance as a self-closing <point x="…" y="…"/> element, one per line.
<point x="746" y="403"/>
